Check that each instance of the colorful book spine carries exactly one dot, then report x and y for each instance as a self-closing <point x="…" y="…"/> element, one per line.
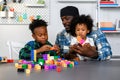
<point x="107" y="2"/>
<point x="109" y="5"/>
<point x="107" y="28"/>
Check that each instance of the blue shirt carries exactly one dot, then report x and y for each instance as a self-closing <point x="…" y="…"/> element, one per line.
<point x="63" y="40"/>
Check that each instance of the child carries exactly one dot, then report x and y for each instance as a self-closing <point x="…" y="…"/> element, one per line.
<point x="80" y="28"/>
<point x="41" y="43"/>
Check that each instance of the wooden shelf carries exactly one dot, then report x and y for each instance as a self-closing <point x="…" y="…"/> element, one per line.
<point x="111" y="31"/>
<point x="35" y="5"/>
<point x="109" y="6"/>
<point x="75" y="1"/>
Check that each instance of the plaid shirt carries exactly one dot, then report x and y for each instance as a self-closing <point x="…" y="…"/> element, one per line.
<point x="63" y="40"/>
<point x="25" y="53"/>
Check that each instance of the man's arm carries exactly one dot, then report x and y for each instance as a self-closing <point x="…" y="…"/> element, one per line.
<point x="103" y="46"/>
<point x="85" y="50"/>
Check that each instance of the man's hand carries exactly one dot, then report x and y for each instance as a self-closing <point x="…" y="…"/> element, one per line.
<point x="57" y="49"/>
<point x="85" y="50"/>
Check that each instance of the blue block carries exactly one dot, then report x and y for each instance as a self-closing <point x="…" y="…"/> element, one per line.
<point x="32" y="55"/>
<point x="0" y="58"/>
<point x="75" y="62"/>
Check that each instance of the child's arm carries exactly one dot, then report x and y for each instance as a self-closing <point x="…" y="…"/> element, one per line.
<point x="43" y="48"/>
<point x="25" y="52"/>
<point x="56" y="48"/>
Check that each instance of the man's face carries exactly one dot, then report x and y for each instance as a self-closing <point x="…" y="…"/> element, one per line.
<point x="66" y="20"/>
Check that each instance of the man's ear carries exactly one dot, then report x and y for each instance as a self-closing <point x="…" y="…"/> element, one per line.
<point x="33" y="35"/>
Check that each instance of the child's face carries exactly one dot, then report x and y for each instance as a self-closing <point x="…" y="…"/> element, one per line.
<point x="40" y="34"/>
<point x="81" y="30"/>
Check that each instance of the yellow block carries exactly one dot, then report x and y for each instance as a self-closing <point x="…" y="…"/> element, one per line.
<point x="35" y="56"/>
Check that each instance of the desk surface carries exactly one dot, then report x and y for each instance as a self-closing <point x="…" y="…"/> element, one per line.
<point x="89" y="70"/>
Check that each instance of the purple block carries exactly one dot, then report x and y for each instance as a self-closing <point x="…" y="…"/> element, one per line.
<point x="54" y="66"/>
<point x="45" y="58"/>
<point x="51" y="66"/>
<point x="44" y="55"/>
<point x="32" y="65"/>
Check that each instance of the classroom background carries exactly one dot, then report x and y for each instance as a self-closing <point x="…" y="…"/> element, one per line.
<point x="21" y="32"/>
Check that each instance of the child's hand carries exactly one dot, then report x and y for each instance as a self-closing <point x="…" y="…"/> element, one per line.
<point x="44" y="48"/>
<point x="56" y="48"/>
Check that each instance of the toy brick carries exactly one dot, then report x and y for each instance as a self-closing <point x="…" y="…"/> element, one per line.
<point x="10" y="60"/>
<point x="4" y="59"/>
<point x="58" y="69"/>
<point x="70" y="65"/>
<point x="32" y="55"/>
<point x="27" y="71"/>
<point x="37" y="67"/>
<point x="75" y="62"/>
<point x="29" y="66"/>
<point x="24" y="66"/>
<point x="20" y="70"/>
<point x="16" y="65"/>
<point x="0" y="58"/>
<point x="35" y="56"/>
<point x="42" y="66"/>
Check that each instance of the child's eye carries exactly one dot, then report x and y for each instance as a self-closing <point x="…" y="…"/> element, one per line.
<point x="39" y="35"/>
<point x="83" y="30"/>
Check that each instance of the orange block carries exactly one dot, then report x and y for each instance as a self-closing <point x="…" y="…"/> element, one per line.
<point x="29" y="66"/>
<point x="52" y="48"/>
<point x="79" y="38"/>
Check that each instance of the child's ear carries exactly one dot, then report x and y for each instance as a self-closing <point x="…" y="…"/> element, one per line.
<point x="33" y="35"/>
<point x="88" y="31"/>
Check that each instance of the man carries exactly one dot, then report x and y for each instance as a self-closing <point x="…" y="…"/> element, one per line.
<point x="63" y="38"/>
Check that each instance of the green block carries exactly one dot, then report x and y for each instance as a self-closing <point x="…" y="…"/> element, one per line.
<point x="70" y="65"/>
<point x="55" y="57"/>
<point x="41" y="61"/>
<point x="24" y="66"/>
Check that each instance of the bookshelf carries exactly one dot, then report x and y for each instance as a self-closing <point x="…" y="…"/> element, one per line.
<point x="108" y="11"/>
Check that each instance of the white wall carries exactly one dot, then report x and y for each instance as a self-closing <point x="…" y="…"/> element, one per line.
<point x="21" y="33"/>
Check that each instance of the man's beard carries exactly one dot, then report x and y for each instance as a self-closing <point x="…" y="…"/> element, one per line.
<point x="68" y="31"/>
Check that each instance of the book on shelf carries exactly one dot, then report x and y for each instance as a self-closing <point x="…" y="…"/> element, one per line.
<point x="109" y="5"/>
<point x="106" y="24"/>
<point x="107" y="2"/>
<point x="108" y="28"/>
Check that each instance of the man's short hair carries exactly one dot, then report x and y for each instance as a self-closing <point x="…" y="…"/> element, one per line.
<point x="69" y="11"/>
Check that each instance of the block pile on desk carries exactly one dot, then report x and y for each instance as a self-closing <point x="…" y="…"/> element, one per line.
<point x="47" y="62"/>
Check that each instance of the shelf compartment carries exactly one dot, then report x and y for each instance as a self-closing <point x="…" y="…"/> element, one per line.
<point x="109" y="5"/>
<point x="111" y="31"/>
<point x="75" y="1"/>
<point x="35" y="5"/>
